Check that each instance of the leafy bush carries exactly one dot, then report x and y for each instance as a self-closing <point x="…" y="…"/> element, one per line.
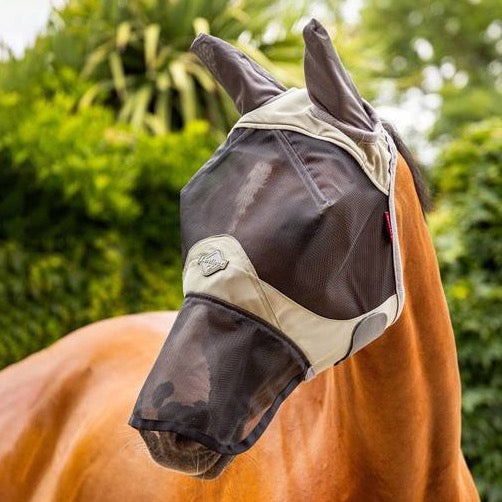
<point x="468" y="234"/>
<point x="134" y="56"/>
<point x="138" y="54"/>
<point x="88" y="218"/>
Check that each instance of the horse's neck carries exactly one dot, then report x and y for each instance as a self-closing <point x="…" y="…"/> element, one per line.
<point x="390" y="415"/>
<point x="408" y="381"/>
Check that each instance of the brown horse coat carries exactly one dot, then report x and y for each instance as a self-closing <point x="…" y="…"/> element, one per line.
<point x="382" y="426"/>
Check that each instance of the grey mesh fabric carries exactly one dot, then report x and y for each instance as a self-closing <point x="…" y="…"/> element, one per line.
<point x="246" y="82"/>
<point x="309" y="219"/>
<point x="217" y="355"/>
<point x="290" y="251"/>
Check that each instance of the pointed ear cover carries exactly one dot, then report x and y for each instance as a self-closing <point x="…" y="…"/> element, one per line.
<point x="247" y="83"/>
<point x="328" y="83"/>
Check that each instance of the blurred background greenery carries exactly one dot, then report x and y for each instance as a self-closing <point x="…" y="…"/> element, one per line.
<point x="107" y="116"/>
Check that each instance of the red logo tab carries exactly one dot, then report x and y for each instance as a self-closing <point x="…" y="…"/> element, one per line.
<point x="389" y="226"/>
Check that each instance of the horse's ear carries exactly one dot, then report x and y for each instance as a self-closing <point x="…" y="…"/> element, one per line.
<point x="328" y="83"/>
<point x="247" y="83"/>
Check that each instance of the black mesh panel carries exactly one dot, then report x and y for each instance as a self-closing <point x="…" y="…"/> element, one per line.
<point x="306" y="214"/>
<point x="219" y="378"/>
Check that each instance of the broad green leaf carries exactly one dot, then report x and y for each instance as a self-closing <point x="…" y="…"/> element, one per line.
<point x="202" y="76"/>
<point x="95" y="58"/>
<point x="140" y="106"/>
<point x="156" y="124"/>
<point x="163" y="109"/>
<point x="90" y="95"/>
<point x="123" y="35"/>
<point x="152" y="33"/>
<point x="118" y="75"/>
<point x="127" y="108"/>
<point x="201" y="25"/>
<point x="179" y="75"/>
<point x="163" y="81"/>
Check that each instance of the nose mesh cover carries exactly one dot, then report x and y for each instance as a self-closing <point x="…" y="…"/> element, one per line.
<point x="220" y="377"/>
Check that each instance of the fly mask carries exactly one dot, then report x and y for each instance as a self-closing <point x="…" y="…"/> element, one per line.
<point x="290" y="250"/>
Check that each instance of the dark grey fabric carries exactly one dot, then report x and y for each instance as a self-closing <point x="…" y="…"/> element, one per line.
<point x="247" y="83"/>
<point x="305" y="213"/>
<point x="219" y="378"/>
<point x="328" y="83"/>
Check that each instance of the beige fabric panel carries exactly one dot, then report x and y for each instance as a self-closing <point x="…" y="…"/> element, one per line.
<point x="292" y="111"/>
<point x="237" y="283"/>
<point x="324" y="341"/>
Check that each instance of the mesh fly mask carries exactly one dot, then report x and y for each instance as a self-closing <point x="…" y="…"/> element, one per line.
<point x="289" y="245"/>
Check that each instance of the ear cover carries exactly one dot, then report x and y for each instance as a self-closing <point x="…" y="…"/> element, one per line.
<point x="247" y="83"/>
<point x="328" y="83"/>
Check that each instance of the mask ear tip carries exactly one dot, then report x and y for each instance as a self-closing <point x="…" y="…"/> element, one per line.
<point x="314" y="27"/>
<point x="317" y="39"/>
<point x="247" y="83"/>
<point x="196" y="41"/>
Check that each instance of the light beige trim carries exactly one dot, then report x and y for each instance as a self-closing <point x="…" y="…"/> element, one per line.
<point x="396" y="248"/>
<point x="236" y="284"/>
<point x="292" y="110"/>
<point x="324" y="341"/>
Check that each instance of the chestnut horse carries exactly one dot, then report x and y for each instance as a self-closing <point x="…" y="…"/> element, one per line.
<point x="383" y="425"/>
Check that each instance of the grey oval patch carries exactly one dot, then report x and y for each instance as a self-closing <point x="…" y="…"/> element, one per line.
<point x="368" y="330"/>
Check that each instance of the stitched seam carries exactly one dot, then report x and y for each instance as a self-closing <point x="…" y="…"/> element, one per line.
<point x="287" y="127"/>
<point x="303" y="170"/>
<point x="204" y="297"/>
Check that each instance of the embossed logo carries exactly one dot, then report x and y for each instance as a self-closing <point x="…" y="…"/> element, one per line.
<point x="212" y="262"/>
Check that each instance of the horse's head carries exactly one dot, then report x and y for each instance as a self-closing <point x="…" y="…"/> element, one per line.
<point x="291" y="257"/>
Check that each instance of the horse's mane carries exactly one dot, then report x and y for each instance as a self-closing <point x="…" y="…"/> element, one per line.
<point x="418" y="176"/>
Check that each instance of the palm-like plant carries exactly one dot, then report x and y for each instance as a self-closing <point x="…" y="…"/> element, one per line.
<point x="138" y="58"/>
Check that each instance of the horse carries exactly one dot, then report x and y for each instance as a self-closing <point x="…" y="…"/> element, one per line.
<point x="381" y="423"/>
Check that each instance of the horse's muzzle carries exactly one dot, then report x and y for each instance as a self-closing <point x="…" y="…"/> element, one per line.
<point x="184" y="455"/>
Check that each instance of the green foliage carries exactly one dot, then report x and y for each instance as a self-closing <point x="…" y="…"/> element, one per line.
<point x="134" y="57"/>
<point x="88" y="218"/>
<point x="467" y="225"/>
<point x="455" y="30"/>
<point x="463" y="106"/>
<point x="458" y="43"/>
<point x="137" y="54"/>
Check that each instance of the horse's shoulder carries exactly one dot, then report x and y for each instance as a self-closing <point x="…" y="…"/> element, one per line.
<point x="67" y="406"/>
<point x="44" y="389"/>
<point x="97" y="343"/>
